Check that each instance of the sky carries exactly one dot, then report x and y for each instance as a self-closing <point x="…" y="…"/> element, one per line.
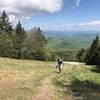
<point x="59" y="15"/>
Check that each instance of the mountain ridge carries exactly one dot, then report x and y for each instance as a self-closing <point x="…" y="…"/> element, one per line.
<point x="70" y="40"/>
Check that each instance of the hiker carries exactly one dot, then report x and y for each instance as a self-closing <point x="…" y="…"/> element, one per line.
<point x="59" y="64"/>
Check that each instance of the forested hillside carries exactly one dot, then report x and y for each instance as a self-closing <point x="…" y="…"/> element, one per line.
<point x="70" y="40"/>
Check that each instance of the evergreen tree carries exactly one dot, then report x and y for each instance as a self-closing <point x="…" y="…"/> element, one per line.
<point x="97" y="58"/>
<point x="80" y="56"/>
<point x="39" y="43"/>
<point x="6" y="45"/>
<point x="6" y="42"/>
<point x="92" y="52"/>
<point x="20" y="38"/>
<point x="5" y="25"/>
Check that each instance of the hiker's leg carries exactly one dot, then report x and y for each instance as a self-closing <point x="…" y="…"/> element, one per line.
<point x="59" y="68"/>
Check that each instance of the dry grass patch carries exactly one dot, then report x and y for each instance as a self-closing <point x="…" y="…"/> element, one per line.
<point x="18" y="78"/>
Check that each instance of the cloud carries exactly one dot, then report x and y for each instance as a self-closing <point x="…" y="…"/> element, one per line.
<point x="92" y="23"/>
<point x="77" y="3"/>
<point x="88" y="26"/>
<point x="82" y="26"/>
<point x="27" y="8"/>
<point x="55" y="26"/>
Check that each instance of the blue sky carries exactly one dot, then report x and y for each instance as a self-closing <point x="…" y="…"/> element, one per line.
<point x="69" y="15"/>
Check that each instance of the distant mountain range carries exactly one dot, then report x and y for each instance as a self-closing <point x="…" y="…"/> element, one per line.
<point x="62" y="40"/>
<point x="65" y="34"/>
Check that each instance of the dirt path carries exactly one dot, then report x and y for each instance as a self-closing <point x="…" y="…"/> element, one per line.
<point x="72" y="63"/>
<point x="46" y="90"/>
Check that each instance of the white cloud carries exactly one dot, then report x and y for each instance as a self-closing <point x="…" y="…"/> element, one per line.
<point x="78" y="2"/>
<point x="82" y="26"/>
<point x="92" y="23"/>
<point x="55" y="26"/>
<point x="27" y="8"/>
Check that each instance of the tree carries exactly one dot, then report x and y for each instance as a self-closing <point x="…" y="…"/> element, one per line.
<point x="5" y="25"/>
<point x="39" y="43"/>
<point x="80" y="55"/>
<point x="6" y="45"/>
<point x="6" y="42"/>
<point x="20" y="37"/>
<point x="91" y="55"/>
<point x="97" y="60"/>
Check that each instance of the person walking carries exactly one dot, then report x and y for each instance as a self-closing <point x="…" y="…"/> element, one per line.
<point x="60" y="64"/>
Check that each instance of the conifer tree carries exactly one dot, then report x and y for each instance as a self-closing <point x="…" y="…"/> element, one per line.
<point x="97" y="58"/>
<point x="80" y="56"/>
<point x="39" y="43"/>
<point x="5" y="25"/>
<point x="91" y="55"/>
<point x="6" y="42"/>
<point x="20" y="37"/>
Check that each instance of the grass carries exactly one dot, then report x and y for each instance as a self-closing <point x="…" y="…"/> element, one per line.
<point x="18" y="78"/>
<point x="78" y="82"/>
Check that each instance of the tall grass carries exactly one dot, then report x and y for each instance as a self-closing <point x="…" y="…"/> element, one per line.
<point x="79" y="82"/>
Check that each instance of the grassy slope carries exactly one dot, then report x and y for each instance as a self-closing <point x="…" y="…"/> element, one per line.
<point x="18" y="78"/>
<point x="79" y="82"/>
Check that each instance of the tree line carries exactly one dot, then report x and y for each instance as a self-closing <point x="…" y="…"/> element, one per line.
<point x="17" y="43"/>
<point x="91" y="56"/>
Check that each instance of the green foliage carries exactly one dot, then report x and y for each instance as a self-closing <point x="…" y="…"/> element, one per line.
<point x="6" y="45"/>
<point x="20" y="37"/>
<point x="67" y="55"/>
<point x="33" y="45"/>
<point x="68" y="43"/>
<point x="81" y="55"/>
<point x="17" y="44"/>
<point x="92" y="55"/>
<point x="97" y="59"/>
<point x="6" y="42"/>
<point x="39" y="42"/>
<point x="5" y="25"/>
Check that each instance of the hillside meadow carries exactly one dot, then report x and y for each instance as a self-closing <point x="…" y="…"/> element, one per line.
<point x="78" y="82"/>
<point x="19" y="80"/>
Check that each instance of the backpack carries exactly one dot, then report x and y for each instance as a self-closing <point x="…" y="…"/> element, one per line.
<point x="60" y="61"/>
